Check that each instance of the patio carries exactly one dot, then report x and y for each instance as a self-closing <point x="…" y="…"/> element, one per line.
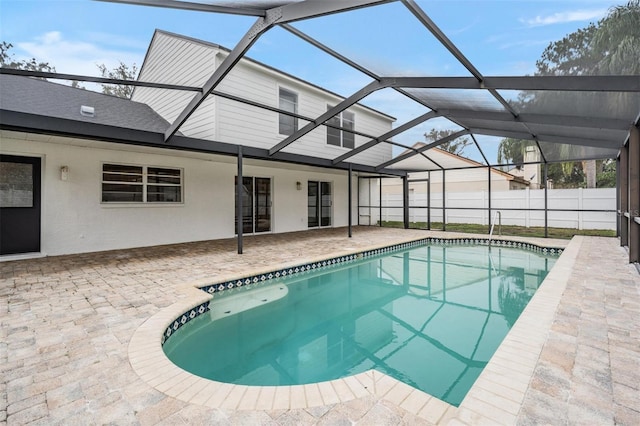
<point x="67" y="323"/>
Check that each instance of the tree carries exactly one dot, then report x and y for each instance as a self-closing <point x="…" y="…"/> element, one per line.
<point x="7" y="61"/>
<point x="618" y="40"/>
<point x="610" y="47"/>
<point x="607" y="174"/>
<point x="121" y="72"/>
<point x="76" y="84"/>
<point x="512" y="150"/>
<point x="455" y="146"/>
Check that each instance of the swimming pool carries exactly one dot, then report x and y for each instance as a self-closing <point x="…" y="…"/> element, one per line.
<point x="430" y="316"/>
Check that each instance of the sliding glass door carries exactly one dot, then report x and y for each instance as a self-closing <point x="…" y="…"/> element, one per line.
<point x="256" y="205"/>
<point x="319" y="204"/>
<point x="262" y="211"/>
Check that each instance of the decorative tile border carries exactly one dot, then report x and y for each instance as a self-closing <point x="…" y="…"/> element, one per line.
<point x="551" y="251"/>
<point x="257" y="280"/>
<point x="183" y="319"/>
<point x="280" y="273"/>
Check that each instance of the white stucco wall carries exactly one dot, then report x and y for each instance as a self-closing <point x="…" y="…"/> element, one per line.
<point x="74" y="220"/>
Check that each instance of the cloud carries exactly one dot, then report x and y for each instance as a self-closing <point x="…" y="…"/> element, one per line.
<point x="523" y="44"/>
<point x="564" y="17"/>
<point x="74" y="56"/>
<point x="464" y="29"/>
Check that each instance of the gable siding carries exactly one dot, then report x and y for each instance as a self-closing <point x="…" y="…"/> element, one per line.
<point x="202" y="123"/>
<point x="169" y="61"/>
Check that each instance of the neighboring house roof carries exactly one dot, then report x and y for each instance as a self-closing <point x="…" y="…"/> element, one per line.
<point x="447" y="160"/>
<point x="248" y="59"/>
<point x="44" y="98"/>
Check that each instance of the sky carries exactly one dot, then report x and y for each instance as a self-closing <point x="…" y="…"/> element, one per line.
<point x="503" y="37"/>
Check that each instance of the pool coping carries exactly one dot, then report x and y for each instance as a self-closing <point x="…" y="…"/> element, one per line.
<point x="496" y="395"/>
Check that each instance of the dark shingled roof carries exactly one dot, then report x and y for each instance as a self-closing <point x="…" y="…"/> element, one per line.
<point x="40" y="97"/>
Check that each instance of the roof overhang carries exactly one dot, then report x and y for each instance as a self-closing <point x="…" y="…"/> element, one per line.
<point x="32" y="123"/>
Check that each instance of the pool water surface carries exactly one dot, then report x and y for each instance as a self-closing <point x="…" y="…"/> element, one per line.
<point x="430" y="316"/>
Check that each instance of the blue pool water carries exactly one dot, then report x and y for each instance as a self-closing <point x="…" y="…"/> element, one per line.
<point x="430" y="316"/>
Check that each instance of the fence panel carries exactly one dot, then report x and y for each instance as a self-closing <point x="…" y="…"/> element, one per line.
<point x="470" y="207"/>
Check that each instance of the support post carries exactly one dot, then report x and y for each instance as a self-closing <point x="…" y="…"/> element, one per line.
<point x="405" y="201"/>
<point x="546" y="200"/>
<point x="624" y="195"/>
<point x="350" y="201"/>
<point x="489" y="197"/>
<point x="380" y="198"/>
<point x="429" y="200"/>
<point x="239" y="186"/>
<point x="358" y="204"/>
<point x="634" y="194"/>
<point x="444" y="199"/>
<point x="618" y="206"/>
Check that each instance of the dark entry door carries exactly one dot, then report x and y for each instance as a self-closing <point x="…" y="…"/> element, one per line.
<point x="19" y="204"/>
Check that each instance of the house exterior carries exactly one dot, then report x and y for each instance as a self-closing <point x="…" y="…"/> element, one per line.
<point x="85" y="172"/>
<point x="531" y="169"/>
<point x="462" y="175"/>
<point x="176" y="59"/>
<point x="465" y="180"/>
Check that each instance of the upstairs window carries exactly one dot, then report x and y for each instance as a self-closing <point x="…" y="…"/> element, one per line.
<point x="140" y="184"/>
<point x="344" y="138"/>
<point x="287" y="124"/>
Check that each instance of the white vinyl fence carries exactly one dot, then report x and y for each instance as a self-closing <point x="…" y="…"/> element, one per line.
<point x="470" y="207"/>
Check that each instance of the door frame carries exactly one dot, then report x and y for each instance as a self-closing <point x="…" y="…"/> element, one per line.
<point x="319" y="204"/>
<point x="254" y="205"/>
<point x="38" y="180"/>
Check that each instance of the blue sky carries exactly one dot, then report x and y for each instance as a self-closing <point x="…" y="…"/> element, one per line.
<point x="502" y="37"/>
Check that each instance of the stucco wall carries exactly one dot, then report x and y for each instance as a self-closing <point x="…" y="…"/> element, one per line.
<point x="74" y="219"/>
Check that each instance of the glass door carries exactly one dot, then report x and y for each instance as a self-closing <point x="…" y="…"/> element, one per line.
<point x="312" y="204"/>
<point x="325" y="204"/>
<point x="247" y="205"/>
<point x="263" y="205"/>
<point x="318" y="204"/>
<point x="256" y="205"/>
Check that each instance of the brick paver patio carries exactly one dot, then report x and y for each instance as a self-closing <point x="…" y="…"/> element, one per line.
<point x="67" y="322"/>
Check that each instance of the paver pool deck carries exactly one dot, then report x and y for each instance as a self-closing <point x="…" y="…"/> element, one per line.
<point x="70" y="326"/>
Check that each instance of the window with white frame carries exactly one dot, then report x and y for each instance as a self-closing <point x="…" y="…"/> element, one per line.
<point x="341" y="137"/>
<point x="288" y="124"/>
<point x="140" y="184"/>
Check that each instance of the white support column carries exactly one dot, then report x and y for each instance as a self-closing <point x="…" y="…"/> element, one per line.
<point x="527" y="213"/>
<point x="580" y="207"/>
